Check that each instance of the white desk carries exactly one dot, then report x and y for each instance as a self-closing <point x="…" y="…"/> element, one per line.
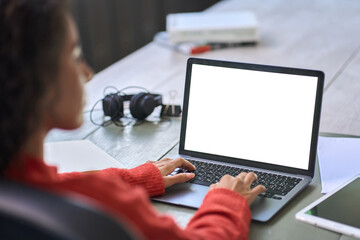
<point x="320" y="34"/>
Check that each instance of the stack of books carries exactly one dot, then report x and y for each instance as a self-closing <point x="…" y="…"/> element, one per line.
<point x="194" y="33"/>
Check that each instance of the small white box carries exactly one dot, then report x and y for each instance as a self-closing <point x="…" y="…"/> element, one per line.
<point x="212" y="27"/>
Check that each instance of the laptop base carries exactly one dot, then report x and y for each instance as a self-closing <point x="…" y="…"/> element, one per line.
<point x="192" y="195"/>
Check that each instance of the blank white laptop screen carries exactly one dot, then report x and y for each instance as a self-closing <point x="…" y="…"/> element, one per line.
<point x="260" y="116"/>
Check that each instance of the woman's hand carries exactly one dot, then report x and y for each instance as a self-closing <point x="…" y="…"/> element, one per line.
<point x="167" y="166"/>
<point x="241" y="184"/>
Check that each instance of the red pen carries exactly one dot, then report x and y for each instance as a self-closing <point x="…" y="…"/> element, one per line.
<point x="200" y="49"/>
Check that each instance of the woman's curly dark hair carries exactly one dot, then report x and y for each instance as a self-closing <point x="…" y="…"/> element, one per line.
<point x="32" y="34"/>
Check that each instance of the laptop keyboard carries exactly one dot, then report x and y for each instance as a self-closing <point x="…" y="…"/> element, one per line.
<point x="208" y="173"/>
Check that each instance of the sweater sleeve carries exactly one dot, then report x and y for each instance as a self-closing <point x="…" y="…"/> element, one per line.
<point x="224" y="214"/>
<point x="146" y="175"/>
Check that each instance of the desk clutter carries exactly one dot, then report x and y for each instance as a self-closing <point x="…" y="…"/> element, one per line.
<point x="199" y="32"/>
<point x="141" y="105"/>
<point x="339" y="160"/>
<point x="337" y="211"/>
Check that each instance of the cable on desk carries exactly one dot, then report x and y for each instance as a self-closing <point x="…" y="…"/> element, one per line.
<point x="123" y="89"/>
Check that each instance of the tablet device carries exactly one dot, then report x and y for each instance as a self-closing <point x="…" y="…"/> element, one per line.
<point x="338" y="211"/>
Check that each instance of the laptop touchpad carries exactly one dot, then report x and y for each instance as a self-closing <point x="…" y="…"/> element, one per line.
<point x="179" y="194"/>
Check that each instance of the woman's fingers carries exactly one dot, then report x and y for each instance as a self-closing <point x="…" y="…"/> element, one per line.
<point x="178" y="178"/>
<point x="185" y="164"/>
<point x="242" y="175"/>
<point x="250" y="178"/>
<point x="241" y="184"/>
<point x="167" y="165"/>
<point x="258" y="189"/>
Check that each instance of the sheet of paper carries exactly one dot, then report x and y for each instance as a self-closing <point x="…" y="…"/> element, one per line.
<point x="78" y="156"/>
<point x="339" y="160"/>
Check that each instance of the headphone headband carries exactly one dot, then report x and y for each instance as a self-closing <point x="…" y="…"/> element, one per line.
<point x="157" y="97"/>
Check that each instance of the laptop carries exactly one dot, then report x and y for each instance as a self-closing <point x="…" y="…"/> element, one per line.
<point x="248" y="117"/>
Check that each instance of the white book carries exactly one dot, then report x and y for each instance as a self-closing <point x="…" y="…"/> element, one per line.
<point x="78" y="156"/>
<point x="212" y="27"/>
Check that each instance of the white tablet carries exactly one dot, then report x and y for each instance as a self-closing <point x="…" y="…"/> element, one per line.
<point x="338" y="211"/>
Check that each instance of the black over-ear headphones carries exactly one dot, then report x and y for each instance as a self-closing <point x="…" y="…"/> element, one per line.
<point x="141" y="104"/>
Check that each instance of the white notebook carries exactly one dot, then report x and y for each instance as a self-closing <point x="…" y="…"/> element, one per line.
<point x="234" y="26"/>
<point x="78" y="156"/>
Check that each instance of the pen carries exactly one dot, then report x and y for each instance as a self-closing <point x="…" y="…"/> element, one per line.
<point x="195" y="48"/>
<point x="200" y="49"/>
<point x="214" y="46"/>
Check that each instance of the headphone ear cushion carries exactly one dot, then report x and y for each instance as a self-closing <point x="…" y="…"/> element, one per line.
<point x="142" y="105"/>
<point x="113" y="106"/>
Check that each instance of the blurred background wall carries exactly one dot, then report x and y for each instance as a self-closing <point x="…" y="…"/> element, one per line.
<point x="111" y="29"/>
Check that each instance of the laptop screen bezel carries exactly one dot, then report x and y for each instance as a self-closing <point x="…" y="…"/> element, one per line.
<point x="257" y="67"/>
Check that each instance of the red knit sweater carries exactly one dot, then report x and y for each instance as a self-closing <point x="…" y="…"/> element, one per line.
<point x="224" y="214"/>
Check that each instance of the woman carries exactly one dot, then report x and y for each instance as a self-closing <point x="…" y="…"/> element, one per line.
<point x="42" y="76"/>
